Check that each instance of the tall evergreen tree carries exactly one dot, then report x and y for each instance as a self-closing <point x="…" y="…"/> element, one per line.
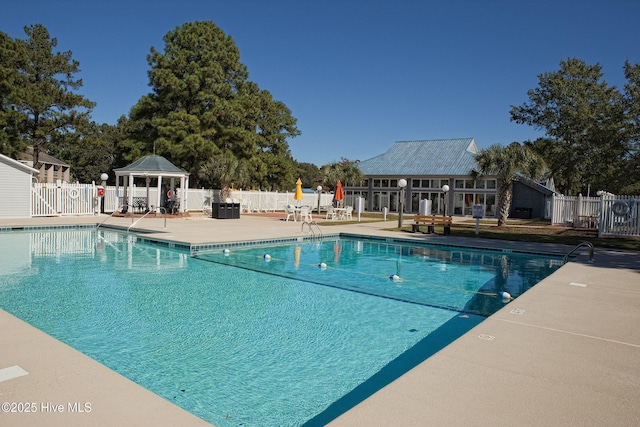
<point x="203" y="107"/>
<point x="10" y="142"/>
<point x="41" y="95"/>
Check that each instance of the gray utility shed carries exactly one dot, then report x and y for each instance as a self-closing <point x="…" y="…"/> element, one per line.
<point x="15" y="197"/>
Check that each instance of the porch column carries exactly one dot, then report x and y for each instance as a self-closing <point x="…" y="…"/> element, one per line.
<point x="130" y="195"/>
<point x="183" y="194"/>
<point x="158" y="201"/>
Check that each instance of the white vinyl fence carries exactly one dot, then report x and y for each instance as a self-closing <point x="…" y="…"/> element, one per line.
<point x="619" y="216"/>
<point x="82" y="199"/>
<point x="250" y="201"/>
<point x="612" y="215"/>
<point x="62" y="198"/>
<point x="574" y="210"/>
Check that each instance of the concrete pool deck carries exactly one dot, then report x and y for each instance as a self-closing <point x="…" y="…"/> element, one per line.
<point x="567" y="352"/>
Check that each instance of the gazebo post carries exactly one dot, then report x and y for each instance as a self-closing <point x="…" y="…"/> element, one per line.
<point x="147" y="182"/>
<point x="117" y="191"/>
<point x="184" y="185"/>
<point x="130" y="195"/>
<point x="158" y="205"/>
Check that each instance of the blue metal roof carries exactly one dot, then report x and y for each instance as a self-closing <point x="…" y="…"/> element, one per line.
<point x="443" y="157"/>
<point x="152" y="163"/>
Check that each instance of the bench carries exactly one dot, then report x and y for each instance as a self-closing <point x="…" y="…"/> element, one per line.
<point x="431" y="221"/>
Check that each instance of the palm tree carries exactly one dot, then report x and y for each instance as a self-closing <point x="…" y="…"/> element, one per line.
<point x="345" y="171"/>
<point x="507" y="163"/>
<point x="225" y="170"/>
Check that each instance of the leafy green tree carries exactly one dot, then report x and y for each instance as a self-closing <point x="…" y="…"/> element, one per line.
<point x="631" y="184"/>
<point x="203" y="107"/>
<point x="90" y="151"/>
<point x="507" y="163"/>
<point x="345" y="171"/>
<point x="309" y="174"/>
<point x="584" y="122"/>
<point x="41" y="94"/>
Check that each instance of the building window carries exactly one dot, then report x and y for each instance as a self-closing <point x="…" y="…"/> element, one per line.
<point x="437" y="202"/>
<point x="351" y="196"/>
<point x="490" y="205"/>
<point x="463" y="203"/>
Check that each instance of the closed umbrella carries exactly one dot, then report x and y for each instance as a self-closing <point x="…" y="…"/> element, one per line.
<point x="339" y="196"/>
<point x="298" y="194"/>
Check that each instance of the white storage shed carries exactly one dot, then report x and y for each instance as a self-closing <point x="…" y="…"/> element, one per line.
<point x="15" y="196"/>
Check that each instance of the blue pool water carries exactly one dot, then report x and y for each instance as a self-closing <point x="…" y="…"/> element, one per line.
<point x="235" y="346"/>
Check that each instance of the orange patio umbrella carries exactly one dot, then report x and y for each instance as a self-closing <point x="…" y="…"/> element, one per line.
<point x="339" y="196"/>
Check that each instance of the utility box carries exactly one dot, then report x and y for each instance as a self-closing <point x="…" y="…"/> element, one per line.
<point x="225" y="210"/>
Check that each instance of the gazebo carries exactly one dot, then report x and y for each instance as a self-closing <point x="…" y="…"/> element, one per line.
<point x="147" y="168"/>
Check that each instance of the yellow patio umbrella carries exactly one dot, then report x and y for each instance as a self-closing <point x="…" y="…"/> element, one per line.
<point x="298" y="194"/>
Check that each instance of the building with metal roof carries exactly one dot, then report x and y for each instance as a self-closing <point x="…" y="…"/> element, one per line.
<point x="442" y="157"/>
<point x="438" y="180"/>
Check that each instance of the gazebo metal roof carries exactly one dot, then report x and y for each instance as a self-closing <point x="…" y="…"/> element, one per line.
<point x="152" y="165"/>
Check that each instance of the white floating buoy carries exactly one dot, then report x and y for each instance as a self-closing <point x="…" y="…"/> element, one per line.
<point x="322" y="265"/>
<point x="506" y="296"/>
<point x="395" y="278"/>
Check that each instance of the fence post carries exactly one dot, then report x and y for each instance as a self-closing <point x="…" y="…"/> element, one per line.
<point x="58" y="202"/>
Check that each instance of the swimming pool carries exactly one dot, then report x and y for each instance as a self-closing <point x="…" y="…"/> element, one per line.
<point x="283" y="340"/>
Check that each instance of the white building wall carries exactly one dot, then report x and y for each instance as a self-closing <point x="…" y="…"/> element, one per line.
<point x="15" y="190"/>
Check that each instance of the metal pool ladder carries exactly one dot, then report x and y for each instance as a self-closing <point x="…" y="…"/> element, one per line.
<point x="310" y="223"/>
<point x="580" y="245"/>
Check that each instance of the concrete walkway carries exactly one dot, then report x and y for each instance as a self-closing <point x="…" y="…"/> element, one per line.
<point x="567" y="352"/>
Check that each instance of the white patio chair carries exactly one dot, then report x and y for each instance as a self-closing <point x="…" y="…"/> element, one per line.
<point x="245" y="206"/>
<point x="348" y="214"/>
<point x="305" y="214"/>
<point x="331" y="212"/>
<point x="290" y="211"/>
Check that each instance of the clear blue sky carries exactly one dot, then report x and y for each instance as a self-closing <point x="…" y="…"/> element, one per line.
<point x="358" y="75"/>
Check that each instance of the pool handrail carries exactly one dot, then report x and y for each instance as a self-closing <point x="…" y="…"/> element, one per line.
<point x="152" y="210"/>
<point x="580" y="245"/>
<point x="310" y="223"/>
<point x="112" y="213"/>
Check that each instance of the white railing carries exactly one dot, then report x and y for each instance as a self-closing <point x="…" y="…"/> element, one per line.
<point x="250" y="201"/>
<point x="619" y="216"/>
<point x="572" y="209"/>
<point x="612" y="215"/>
<point x="82" y="199"/>
<point x="62" y="198"/>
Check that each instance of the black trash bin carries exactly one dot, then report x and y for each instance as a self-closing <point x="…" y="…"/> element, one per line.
<point x="225" y="210"/>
